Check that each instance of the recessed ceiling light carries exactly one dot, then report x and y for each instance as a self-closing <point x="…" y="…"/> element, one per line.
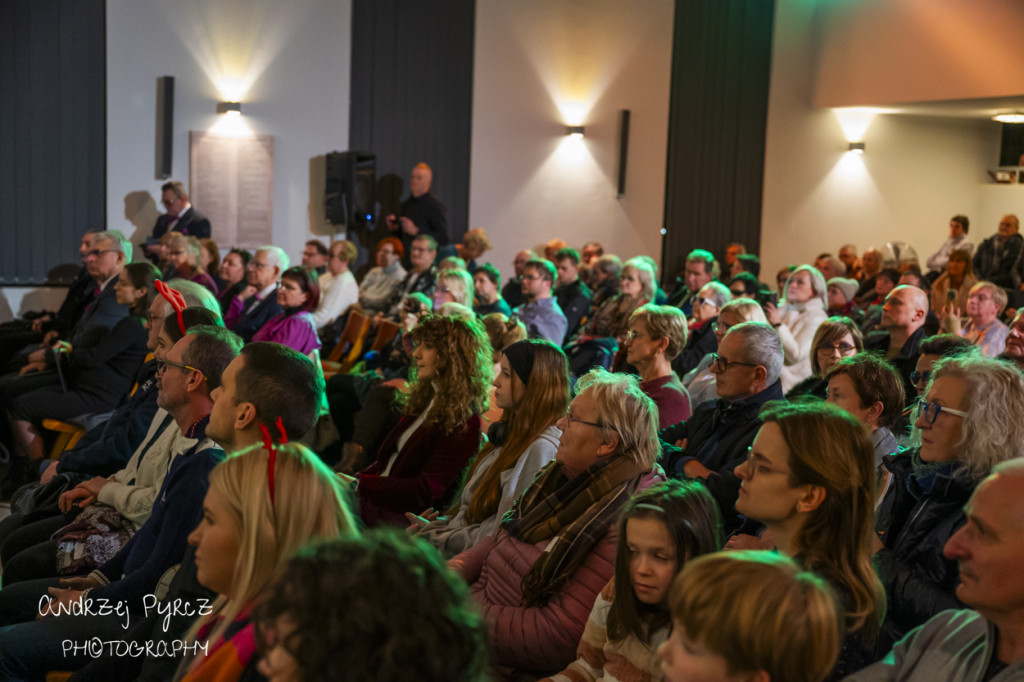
<point x="1016" y="117"/>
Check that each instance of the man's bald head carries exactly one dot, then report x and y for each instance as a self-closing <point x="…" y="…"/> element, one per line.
<point x="906" y="307"/>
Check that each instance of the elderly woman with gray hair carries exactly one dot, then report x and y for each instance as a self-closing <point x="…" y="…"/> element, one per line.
<point x="796" y="319"/>
<point x="537" y="579"/>
<point x="969" y="421"/>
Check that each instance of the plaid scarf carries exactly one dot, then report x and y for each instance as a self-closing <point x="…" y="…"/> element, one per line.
<point x="574" y="512"/>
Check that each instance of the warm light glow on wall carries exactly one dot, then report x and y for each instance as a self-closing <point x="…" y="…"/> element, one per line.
<point x="855" y="121"/>
<point x="231" y="124"/>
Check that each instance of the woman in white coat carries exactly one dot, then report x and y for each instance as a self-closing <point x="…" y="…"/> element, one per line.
<point x="796" y="319"/>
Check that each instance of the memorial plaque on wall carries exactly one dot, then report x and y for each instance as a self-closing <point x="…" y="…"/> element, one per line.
<point x="231" y="180"/>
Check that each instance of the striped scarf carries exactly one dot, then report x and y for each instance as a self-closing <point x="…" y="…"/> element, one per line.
<point x="574" y="512"/>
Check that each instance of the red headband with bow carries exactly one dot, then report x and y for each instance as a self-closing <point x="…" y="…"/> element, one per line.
<point x="175" y="299"/>
<point x="268" y="443"/>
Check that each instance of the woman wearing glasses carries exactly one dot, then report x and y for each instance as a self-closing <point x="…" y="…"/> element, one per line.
<point x="453" y="286"/>
<point x="538" y="578"/>
<point x="298" y="295"/>
<point x="969" y="420"/>
<point x="836" y="338"/>
<point x="606" y="330"/>
<point x="817" y="502"/>
<point x="796" y="319"/>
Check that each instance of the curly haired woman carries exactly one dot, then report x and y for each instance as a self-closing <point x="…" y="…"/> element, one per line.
<point x="419" y="462"/>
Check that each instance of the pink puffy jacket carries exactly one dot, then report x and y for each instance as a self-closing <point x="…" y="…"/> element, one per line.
<point x="542" y="640"/>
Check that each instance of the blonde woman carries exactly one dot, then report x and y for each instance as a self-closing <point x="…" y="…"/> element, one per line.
<point x="453" y="286"/>
<point x="796" y="319"/>
<point x="262" y="506"/>
<point x="605" y="332"/>
<point x="185" y="256"/>
<point x="532" y="388"/>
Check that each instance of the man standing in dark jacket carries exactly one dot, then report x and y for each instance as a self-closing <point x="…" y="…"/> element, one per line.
<point x="715" y="439"/>
<point x="994" y="259"/>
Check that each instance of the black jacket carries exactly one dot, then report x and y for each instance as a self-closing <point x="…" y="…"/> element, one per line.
<point x="986" y="266"/>
<point x="905" y="361"/>
<point x="718" y="435"/>
<point x="914" y="526"/>
<point x="574" y="300"/>
<point x="192" y="223"/>
<point x="700" y="342"/>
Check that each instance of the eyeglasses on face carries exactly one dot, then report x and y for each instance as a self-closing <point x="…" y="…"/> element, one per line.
<point x="573" y="420"/>
<point x="706" y="301"/>
<point x="931" y="411"/>
<point x="722" y="365"/>
<point x="753" y="465"/>
<point x="256" y="265"/>
<point x="917" y="377"/>
<point x="96" y="253"/>
<point x="162" y="365"/>
<point x="843" y="348"/>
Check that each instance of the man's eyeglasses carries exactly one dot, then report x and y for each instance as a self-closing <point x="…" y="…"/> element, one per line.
<point x="722" y="365"/>
<point x="917" y="377"/>
<point x="573" y="420"/>
<point x="706" y="301"/>
<point x="162" y="365"/>
<point x="931" y="411"/>
<point x="256" y="265"/>
<point x="844" y="349"/>
<point x="96" y="253"/>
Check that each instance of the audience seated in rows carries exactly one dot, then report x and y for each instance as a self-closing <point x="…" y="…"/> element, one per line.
<point x="711" y="444"/>
<point x="418" y="464"/>
<point x="817" y="507"/>
<point x="256" y="303"/>
<point x="700" y="381"/>
<point x="965" y="425"/>
<point x="537" y="579"/>
<point x="532" y="390"/>
<point x="659" y="531"/>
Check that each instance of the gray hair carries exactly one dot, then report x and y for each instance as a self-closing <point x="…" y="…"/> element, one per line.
<point x="623" y="408"/>
<point x="720" y="293"/>
<point x="121" y="242"/>
<point x="993" y="431"/>
<point x="761" y="346"/>
<point x="818" y="285"/>
<point x="196" y="295"/>
<point x="276" y="256"/>
<point x="748" y="309"/>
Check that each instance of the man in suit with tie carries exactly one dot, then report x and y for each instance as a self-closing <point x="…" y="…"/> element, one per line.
<point x="257" y="302"/>
<point x="180" y="216"/>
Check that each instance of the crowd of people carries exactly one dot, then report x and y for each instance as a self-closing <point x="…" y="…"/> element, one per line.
<point x="585" y="472"/>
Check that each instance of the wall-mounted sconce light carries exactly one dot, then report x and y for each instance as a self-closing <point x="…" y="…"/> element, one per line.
<point x="856" y="147"/>
<point x="574" y="131"/>
<point x="1015" y="117"/>
<point x="233" y="108"/>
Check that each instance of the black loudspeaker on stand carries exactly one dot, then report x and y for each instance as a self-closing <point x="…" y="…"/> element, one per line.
<point x="348" y="195"/>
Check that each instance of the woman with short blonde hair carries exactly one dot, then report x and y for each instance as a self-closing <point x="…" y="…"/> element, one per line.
<point x="453" y="286"/>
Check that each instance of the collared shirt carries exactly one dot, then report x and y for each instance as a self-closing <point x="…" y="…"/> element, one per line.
<point x="260" y="296"/>
<point x="544" y="319"/>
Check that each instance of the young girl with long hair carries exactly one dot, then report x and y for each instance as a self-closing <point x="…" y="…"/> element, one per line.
<point x="810" y="479"/>
<point x="262" y="505"/>
<point x="419" y="463"/>
<point x="659" y="531"/>
<point x="532" y="389"/>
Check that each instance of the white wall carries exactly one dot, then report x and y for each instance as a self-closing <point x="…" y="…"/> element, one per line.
<point x="541" y="64"/>
<point x="917" y="172"/>
<point x="295" y="58"/>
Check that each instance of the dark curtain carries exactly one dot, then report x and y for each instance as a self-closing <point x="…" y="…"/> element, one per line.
<point x="412" y="99"/>
<point x="52" y="133"/>
<point x="721" y="64"/>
